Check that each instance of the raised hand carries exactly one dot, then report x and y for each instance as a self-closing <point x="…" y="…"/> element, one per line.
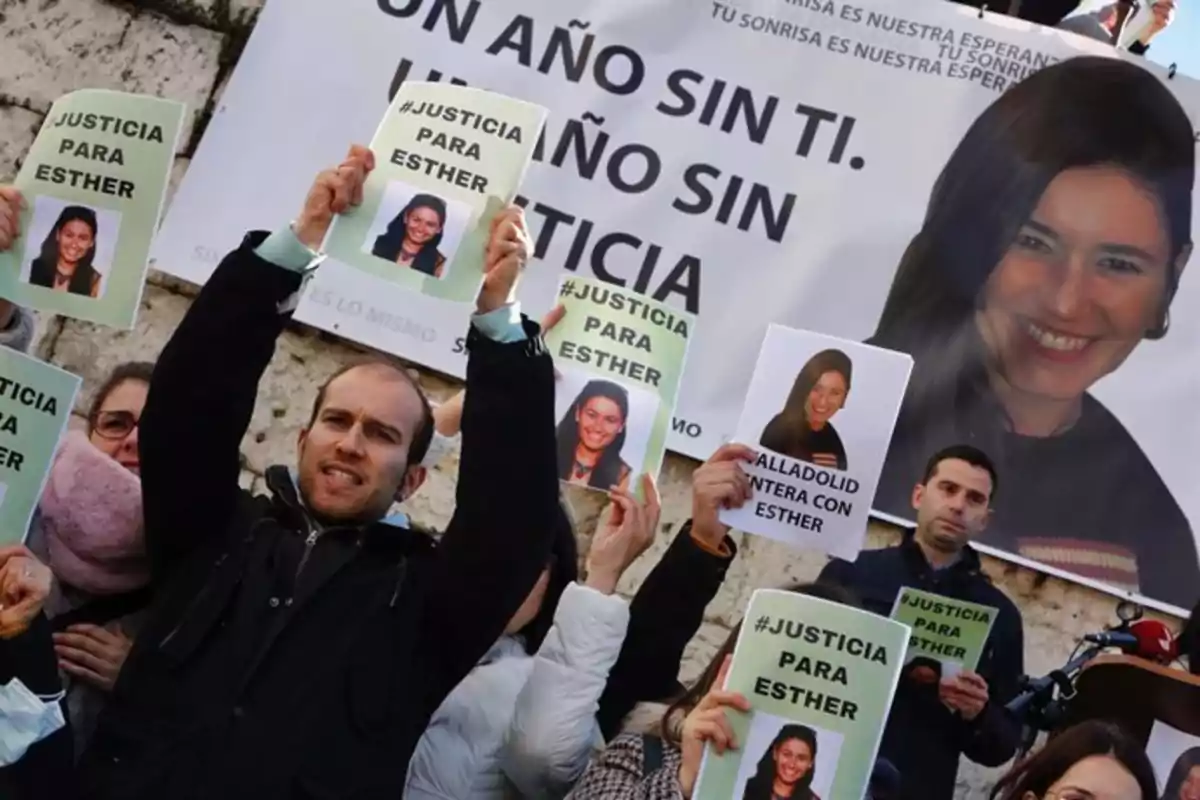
<point x="708" y="722"/>
<point x="508" y="250"/>
<point x="24" y="586"/>
<point x="626" y="534"/>
<point x="719" y="483"/>
<point x="10" y="216"/>
<point x="334" y="191"/>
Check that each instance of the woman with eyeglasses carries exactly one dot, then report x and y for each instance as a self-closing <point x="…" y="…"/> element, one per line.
<point x="88" y="530"/>
<point x="1093" y="760"/>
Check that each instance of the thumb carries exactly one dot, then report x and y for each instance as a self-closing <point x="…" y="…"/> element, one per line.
<point x="723" y="672"/>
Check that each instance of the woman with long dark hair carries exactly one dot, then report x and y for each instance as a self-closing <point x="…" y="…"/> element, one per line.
<point x="1184" y="781"/>
<point x="785" y="771"/>
<point x="65" y="263"/>
<point x="1052" y="246"/>
<point x="591" y="435"/>
<point x="803" y="430"/>
<point x="412" y="238"/>
<point x="1093" y="759"/>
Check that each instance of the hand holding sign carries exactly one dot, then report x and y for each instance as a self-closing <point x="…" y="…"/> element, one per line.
<point x="11" y="204"/>
<point x="707" y="722"/>
<point x="334" y="191"/>
<point x="628" y="532"/>
<point x="508" y="249"/>
<point x="24" y="585"/>
<point x="719" y="483"/>
<point x="965" y="693"/>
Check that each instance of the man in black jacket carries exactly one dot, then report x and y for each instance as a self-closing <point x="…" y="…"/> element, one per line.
<point x="299" y="643"/>
<point x="932" y="723"/>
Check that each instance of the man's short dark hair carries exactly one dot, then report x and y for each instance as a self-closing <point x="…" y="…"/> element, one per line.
<point x="962" y="452"/>
<point x="422" y="436"/>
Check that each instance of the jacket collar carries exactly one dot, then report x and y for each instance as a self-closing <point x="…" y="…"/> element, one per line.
<point x="968" y="565"/>
<point x="393" y="533"/>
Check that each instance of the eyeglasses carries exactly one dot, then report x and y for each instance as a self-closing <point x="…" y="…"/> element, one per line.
<point x="115" y="424"/>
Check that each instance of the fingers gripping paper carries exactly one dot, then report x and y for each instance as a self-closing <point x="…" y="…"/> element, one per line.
<point x="820" y="678"/>
<point x="447" y="159"/>
<point x="820" y="411"/>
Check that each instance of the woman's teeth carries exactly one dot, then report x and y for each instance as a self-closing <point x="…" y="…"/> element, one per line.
<point x="1055" y="341"/>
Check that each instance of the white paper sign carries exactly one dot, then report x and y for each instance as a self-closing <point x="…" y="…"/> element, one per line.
<point x="820" y="413"/>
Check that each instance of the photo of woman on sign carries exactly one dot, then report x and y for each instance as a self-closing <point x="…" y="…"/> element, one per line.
<point x="786" y="769"/>
<point x="1184" y="781"/>
<point x="803" y="430"/>
<point x="591" y="435"/>
<point x="68" y="251"/>
<point x="1053" y="244"/>
<point x="413" y="235"/>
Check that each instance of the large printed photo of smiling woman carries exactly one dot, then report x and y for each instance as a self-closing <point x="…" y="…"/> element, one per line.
<point x="1053" y="244"/>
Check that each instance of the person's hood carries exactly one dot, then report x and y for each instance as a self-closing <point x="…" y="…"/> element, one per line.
<point x="91" y="518"/>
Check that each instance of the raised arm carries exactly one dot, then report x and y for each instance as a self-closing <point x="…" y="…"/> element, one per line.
<point x="507" y="495"/>
<point x="554" y="729"/>
<point x="668" y="608"/>
<point x="206" y="380"/>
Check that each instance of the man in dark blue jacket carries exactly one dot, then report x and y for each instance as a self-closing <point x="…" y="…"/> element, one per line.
<point x="932" y="723"/>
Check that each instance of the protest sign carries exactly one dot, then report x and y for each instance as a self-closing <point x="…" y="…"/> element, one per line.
<point x="813" y="481"/>
<point x="620" y="357"/>
<point x="820" y="678"/>
<point x="773" y="162"/>
<point x="448" y="158"/>
<point x="948" y="635"/>
<point x="35" y="403"/>
<point x="1176" y="759"/>
<point x="94" y="184"/>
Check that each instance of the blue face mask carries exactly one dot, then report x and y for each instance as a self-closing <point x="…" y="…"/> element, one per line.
<point x="25" y="720"/>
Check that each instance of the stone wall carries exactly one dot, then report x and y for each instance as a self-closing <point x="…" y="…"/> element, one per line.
<point x="184" y="49"/>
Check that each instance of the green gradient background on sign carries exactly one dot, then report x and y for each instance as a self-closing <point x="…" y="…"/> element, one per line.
<point x="668" y="355"/>
<point x="503" y="162"/>
<point x="147" y="164"/>
<point x="36" y="438"/>
<point x="870" y="685"/>
<point x="974" y="634"/>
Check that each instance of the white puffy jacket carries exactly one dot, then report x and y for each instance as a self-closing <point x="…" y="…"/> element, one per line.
<point x="524" y="726"/>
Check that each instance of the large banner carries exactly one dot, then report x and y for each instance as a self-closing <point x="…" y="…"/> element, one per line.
<point x="779" y="162"/>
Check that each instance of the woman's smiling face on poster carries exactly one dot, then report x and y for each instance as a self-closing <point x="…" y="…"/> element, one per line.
<point x="1190" y="790"/>
<point x="1083" y="282"/>
<point x="600" y="422"/>
<point x="74" y="241"/>
<point x="793" y="760"/>
<point x="421" y="225"/>
<point x="827" y="397"/>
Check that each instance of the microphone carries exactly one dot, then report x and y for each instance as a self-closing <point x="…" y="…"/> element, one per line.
<point x="1121" y="639"/>
<point x="1155" y="642"/>
<point x="1147" y="638"/>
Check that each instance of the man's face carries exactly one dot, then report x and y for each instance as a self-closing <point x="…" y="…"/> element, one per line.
<point x="952" y="506"/>
<point x="354" y="456"/>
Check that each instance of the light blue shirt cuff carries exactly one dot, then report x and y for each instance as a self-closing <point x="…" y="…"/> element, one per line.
<point x="502" y="324"/>
<point x="283" y="249"/>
